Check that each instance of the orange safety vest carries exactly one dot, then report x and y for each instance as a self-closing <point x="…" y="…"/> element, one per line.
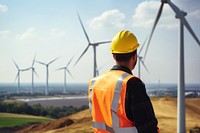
<point x="107" y="94"/>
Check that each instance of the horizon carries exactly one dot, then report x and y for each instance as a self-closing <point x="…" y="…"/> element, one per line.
<point x="85" y="83"/>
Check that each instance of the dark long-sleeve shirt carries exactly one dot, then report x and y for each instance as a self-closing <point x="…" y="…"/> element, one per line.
<point x="138" y="106"/>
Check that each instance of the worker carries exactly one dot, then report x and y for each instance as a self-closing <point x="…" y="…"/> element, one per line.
<point x="118" y="100"/>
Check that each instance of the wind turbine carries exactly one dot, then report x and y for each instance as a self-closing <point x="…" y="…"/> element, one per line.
<point x="140" y="60"/>
<point x="47" y="74"/>
<point x="18" y="75"/>
<point x="65" y="73"/>
<point x="181" y="78"/>
<point x="33" y="72"/>
<point x="94" y="45"/>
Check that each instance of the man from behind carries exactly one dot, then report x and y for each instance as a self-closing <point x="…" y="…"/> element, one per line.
<point x="118" y="100"/>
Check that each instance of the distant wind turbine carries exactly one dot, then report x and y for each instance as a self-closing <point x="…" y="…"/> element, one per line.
<point x="140" y="60"/>
<point x="18" y="75"/>
<point x="65" y="74"/>
<point x="33" y="72"/>
<point x="181" y="78"/>
<point x="94" y="45"/>
<point x="47" y="74"/>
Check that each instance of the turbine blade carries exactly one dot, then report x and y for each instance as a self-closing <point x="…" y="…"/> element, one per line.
<point x="154" y="26"/>
<point x="35" y="73"/>
<point x="69" y="61"/>
<point x="61" y="68"/>
<point x="41" y="63"/>
<point x="16" y="65"/>
<point x="53" y="60"/>
<point x="69" y="73"/>
<point x="180" y="15"/>
<point x="82" y="54"/>
<point x="25" y="69"/>
<point x="144" y="66"/>
<point x="142" y="46"/>
<point x="17" y="76"/>
<point x="83" y="29"/>
<point x="33" y="60"/>
<point x="97" y="43"/>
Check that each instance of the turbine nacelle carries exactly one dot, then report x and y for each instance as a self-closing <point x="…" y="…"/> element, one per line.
<point x="183" y="13"/>
<point x="140" y="57"/>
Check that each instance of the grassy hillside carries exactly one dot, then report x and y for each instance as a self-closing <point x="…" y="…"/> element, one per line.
<point x="165" y="109"/>
<point x="10" y="119"/>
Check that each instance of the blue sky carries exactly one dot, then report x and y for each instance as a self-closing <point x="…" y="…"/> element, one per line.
<point x="51" y="29"/>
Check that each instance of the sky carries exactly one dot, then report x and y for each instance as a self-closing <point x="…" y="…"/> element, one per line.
<point x="50" y="28"/>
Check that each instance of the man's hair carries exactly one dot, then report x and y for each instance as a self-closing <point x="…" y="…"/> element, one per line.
<point x="124" y="57"/>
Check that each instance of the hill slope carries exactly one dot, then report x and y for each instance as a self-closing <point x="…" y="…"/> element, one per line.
<point x="11" y="122"/>
<point x="165" y="109"/>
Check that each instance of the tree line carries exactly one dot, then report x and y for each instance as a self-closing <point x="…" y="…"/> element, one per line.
<point x="38" y="110"/>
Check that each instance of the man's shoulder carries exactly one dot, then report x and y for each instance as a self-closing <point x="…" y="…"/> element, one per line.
<point x="135" y="82"/>
<point x="135" y="79"/>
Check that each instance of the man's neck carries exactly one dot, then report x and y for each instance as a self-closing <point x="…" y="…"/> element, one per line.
<point x="124" y="64"/>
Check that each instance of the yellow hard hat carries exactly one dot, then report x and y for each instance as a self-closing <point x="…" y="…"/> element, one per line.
<point x="124" y="42"/>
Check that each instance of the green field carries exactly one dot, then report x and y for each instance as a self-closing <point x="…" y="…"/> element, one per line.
<point x="11" y="120"/>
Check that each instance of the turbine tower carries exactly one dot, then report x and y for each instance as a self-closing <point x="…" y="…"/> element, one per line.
<point x="65" y="74"/>
<point x="47" y="74"/>
<point x="140" y="60"/>
<point x="94" y="45"/>
<point x="18" y="75"/>
<point x="181" y="80"/>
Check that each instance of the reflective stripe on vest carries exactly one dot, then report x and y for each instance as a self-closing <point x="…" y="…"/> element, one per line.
<point x="90" y="95"/>
<point x="115" y="119"/>
<point x="114" y="106"/>
<point x="103" y="126"/>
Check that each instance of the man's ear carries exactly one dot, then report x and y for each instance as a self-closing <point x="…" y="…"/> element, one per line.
<point x="114" y="57"/>
<point x="134" y="57"/>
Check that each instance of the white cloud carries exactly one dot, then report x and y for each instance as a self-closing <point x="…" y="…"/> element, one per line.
<point x="3" y="8"/>
<point x="56" y="33"/>
<point x="27" y="35"/>
<point x="195" y="14"/>
<point x="146" y="12"/>
<point x="4" y="33"/>
<point x="111" y="18"/>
